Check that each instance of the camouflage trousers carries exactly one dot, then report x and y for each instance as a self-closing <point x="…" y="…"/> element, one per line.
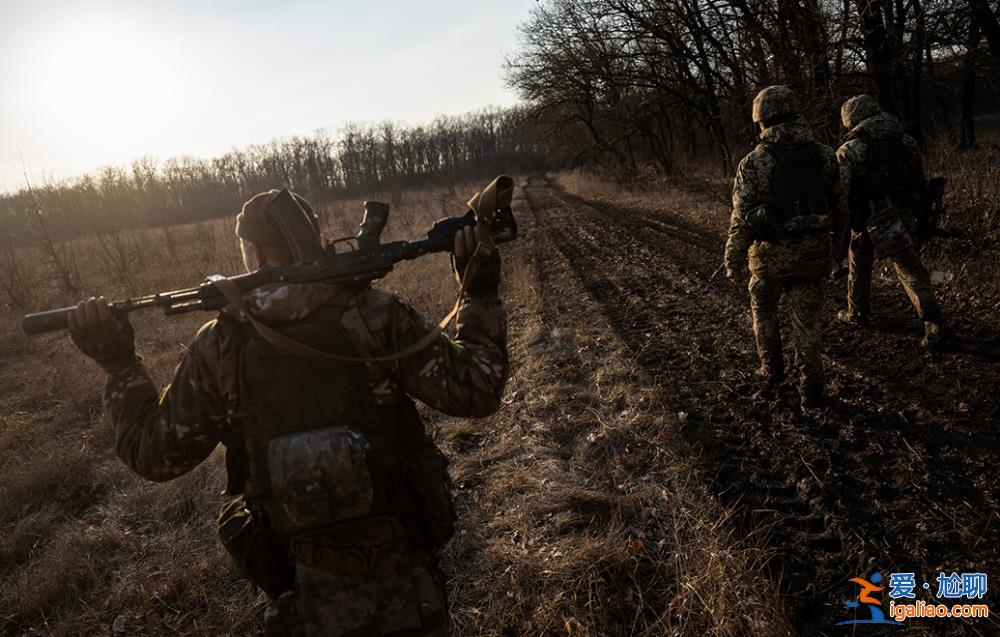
<point x="804" y="300"/>
<point x="360" y="582"/>
<point x="911" y="273"/>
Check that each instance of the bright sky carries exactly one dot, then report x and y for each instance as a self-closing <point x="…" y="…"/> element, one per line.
<point x="87" y="84"/>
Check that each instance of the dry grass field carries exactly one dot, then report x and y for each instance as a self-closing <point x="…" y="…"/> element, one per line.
<point x="557" y="534"/>
<point x="629" y="485"/>
<point x="82" y="541"/>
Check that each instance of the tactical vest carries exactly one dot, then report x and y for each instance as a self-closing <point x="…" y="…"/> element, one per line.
<point x="800" y="201"/>
<point x="318" y="451"/>
<point x="886" y="181"/>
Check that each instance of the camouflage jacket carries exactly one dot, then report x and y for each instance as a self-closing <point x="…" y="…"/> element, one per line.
<point x="805" y="257"/>
<point x="163" y="435"/>
<point x="888" y="233"/>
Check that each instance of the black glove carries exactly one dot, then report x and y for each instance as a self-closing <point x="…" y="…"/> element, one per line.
<point x="485" y="280"/>
<point x="837" y="269"/>
<point x="104" y="337"/>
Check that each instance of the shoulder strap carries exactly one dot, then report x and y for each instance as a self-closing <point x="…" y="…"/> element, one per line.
<point x="279" y="340"/>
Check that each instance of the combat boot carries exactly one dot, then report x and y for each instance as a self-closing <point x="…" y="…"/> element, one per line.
<point x="811" y="394"/>
<point x="935" y="334"/>
<point x="854" y="319"/>
<point x="770" y="378"/>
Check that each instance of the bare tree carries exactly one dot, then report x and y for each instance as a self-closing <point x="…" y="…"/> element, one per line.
<point x="628" y="81"/>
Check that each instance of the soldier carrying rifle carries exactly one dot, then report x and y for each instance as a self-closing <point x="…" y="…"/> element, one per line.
<point x="883" y="174"/>
<point x="341" y="501"/>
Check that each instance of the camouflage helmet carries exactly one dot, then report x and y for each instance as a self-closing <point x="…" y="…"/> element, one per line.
<point x="254" y="224"/>
<point x="775" y="103"/>
<point x="858" y="108"/>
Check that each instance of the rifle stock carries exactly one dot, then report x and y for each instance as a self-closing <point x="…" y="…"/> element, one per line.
<point x="931" y="211"/>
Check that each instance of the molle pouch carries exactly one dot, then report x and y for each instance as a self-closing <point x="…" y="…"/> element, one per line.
<point x="257" y="553"/>
<point x="426" y="488"/>
<point x="355" y="548"/>
<point x="892" y="238"/>
<point x="882" y="213"/>
<point x="888" y="227"/>
<point x="356" y="578"/>
<point x="762" y="223"/>
<point x="320" y="477"/>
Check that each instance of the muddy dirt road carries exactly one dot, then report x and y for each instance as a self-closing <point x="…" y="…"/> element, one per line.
<point x="898" y="474"/>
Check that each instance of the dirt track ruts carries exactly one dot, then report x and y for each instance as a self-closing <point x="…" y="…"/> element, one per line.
<point x="896" y="475"/>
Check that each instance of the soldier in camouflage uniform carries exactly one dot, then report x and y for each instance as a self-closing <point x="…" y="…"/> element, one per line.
<point x="343" y="500"/>
<point x="786" y="197"/>
<point x="883" y="174"/>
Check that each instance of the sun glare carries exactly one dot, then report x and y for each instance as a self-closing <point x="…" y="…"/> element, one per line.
<point x="103" y="84"/>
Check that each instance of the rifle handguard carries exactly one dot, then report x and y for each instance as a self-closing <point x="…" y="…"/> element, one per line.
<point x="351" y="268"/>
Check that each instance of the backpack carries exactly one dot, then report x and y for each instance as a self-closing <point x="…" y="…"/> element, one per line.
<point x="318" y="458"/>
<point x="886" y="179"/>
<point x="799" y="202"/>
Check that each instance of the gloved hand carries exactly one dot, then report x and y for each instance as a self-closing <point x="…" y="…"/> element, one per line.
<point x="737" y="276"/>
<point x="485" y="281"/>
<point x="837" y="269"/>
<point x="107" y="339"/>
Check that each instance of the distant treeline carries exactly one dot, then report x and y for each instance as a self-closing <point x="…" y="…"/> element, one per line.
<point x="625" y="82"/>
<point x="617" y="84"/>
<point x="361" y="159"/>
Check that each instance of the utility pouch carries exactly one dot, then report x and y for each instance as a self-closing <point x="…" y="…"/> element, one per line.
<point x="891" y="239"/>
<point x="257" y="552"/>
<point x="885" y="220"/>
<point x="355" y="548"/>
<point x="356" y="578"/>
<point x="426" y="489"/>
<point x="320" y="477"/>
<point x="764" y="223"/>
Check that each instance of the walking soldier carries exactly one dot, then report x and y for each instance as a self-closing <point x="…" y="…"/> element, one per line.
<point x="883" y="174"/>
<point x="786" y="198"/>
<point x="341" y="501"/>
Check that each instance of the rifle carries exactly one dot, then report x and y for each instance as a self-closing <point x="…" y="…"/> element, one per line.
<point x="370" y="261"/>
<point x="931" y="211"/>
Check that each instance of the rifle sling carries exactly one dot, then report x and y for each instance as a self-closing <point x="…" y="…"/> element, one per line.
<point x="279" y="340"/>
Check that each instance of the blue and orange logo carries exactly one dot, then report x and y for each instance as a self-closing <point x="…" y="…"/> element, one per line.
<point x="871" y="603"/>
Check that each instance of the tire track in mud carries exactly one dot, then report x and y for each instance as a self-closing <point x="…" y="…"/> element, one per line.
<point x="678" y="341"/>
<point x="853" y="490"/>
<point x="556" y="509"/>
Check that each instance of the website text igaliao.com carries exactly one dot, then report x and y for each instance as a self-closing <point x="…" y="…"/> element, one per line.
<point x="901" y="612"/>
